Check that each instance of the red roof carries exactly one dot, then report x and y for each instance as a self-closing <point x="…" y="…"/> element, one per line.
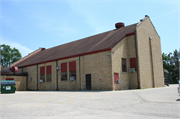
<point x="97" y="43"/>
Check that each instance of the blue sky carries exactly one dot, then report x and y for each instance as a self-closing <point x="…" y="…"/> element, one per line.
<point x="30" y="24"/>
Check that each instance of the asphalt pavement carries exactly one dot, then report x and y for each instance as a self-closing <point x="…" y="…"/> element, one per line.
<point x="152" y="103"/>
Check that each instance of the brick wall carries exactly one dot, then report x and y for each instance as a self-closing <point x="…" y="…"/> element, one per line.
<point x="131" y="49"/>
<point x="69" y="85"/>
<point x="124" y="49"/>
<point x="99" y="66"/>
<point x="48" y="85"/>
<point x="32" y="73"/>
<point x="19" y="80"/>
<point x="150" y="61"/>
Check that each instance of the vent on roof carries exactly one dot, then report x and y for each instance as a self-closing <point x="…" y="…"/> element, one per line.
<point x="119" y="25"/>
<point x="14" y="69"/>
<point x="43" y="49"/>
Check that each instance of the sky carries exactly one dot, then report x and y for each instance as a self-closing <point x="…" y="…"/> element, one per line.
<point x="28" y="25"/>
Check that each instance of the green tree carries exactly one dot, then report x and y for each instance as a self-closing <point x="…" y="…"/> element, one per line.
<point x="9" y="55"/>
<point x="171" y="64"/>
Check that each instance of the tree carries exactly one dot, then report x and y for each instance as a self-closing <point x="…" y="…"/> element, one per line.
<point x="171" y="64"/>
<point x="9" y="55"/>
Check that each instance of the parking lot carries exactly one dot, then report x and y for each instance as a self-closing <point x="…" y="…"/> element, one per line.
<point x="156" y="103"/>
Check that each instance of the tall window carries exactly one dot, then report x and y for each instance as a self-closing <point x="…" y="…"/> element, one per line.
<point x="48" y="73"/>
<point x="64" y="72"/>
<point x="42" y="73"/>
<point x="124" y="65"/>
<point x="72" y="70"/>
<point x="133" y="63"/>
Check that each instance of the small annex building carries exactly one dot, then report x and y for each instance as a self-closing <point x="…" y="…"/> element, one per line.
<point x="128" y="57"/>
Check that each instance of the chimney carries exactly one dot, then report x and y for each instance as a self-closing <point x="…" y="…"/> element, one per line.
<point x="119" y="25"/>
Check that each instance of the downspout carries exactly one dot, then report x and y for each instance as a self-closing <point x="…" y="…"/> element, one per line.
<point x="37" y="76"/>
<point x="57" y="73"/>
<point x="112" y="73"/>
<point x="137" y="61"/>
<point x="27" y="82"/>
<point x="80" y="72"/>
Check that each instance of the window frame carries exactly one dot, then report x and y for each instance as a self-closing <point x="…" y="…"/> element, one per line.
<point x="48" y="73"/>
<point x="72" y="74"/>
<point x="62" y="75"/>
<point x="42" y="73"/>
<point x="64" y="71"/>
<point x="124" y="65"/>
<point x="72" y="69"/>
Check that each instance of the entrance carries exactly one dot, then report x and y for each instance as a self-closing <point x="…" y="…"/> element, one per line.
<point x="88" y="81"/>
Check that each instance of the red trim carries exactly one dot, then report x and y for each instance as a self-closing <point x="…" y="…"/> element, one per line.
<point x="129" y="34"/>
<point x="102" y="50"/>
<point x="26" y="58"/>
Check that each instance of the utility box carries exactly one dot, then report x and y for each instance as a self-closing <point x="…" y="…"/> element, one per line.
<point x="8" y="86"/>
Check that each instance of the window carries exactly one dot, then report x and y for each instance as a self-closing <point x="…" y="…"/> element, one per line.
<point x="42" y="73"/>
<point x="72" y="70"/>
<point x="124" y="65"/>
<point x="133" y="63"/>
<point x="63" y="71"/>
<point x="72" y="75"/>
<point x="48" y="73"/>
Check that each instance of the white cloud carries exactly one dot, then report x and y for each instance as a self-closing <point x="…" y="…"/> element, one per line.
<point x="165" y="14"/>
<point x="22" y="49"/>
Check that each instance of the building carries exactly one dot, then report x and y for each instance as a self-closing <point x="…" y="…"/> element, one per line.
<point x="128" y="57"/>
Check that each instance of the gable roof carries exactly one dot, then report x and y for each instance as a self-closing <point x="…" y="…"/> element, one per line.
<point x="93" y="44"/>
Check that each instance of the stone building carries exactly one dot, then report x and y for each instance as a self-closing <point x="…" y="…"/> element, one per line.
<point x="128" y="57"/>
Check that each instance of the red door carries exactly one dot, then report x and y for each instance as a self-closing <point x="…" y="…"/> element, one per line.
<point x="116" y="77"/>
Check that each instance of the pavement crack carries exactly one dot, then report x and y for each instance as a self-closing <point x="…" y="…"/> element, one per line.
<point x="140" y="97"/>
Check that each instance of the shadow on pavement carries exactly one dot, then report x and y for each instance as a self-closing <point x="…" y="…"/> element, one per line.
<point x="178" y="100"/>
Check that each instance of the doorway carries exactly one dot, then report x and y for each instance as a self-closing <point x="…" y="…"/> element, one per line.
<point x="88" y="81"/>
